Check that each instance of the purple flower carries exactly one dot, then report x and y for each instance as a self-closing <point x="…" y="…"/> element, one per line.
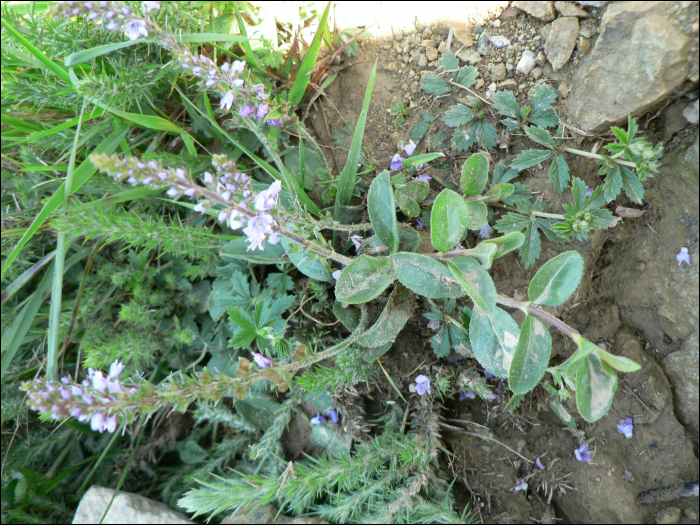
<point x="466" y="395"/>
<point x="318" y="419"/>
<point x="589" y="191"/>
<point x="333" y="414"/>
<point x="261" y="111"/>
<point x="262" y="361"/>
<point x="488" y="375"/>
<point x="97" y="422"/>
<point x="581" y="453"/>
<point x="486" y="231"/>
<point x="111" y="424"/>
<point x="208" y="178"/>
<point x="274" y="122"/>
<point x="626" y="427"/>
<point x="683" y="256"/>
<point x="519" y="485"/>
<point x="539" y="464"/>
<point x="422" y="385"/>
<point x="172" y="192"/>
<point x="99" y="382"/>
<point x="247" y="110"/>
<point x="396" y="162"/>
<point x="491" y="396"/>
<point x="426" y="178"/>
<point x="190" y="192"/>
<point x="237" y="67"/>
<point x="410" y="147"/>
<point x="419" y="223"/>
<point x="227" y="101"/>
<point x="150" y="6"/>
<point x="267" y="199"/>
<point x="356" y="242"/>
<point x="336" y="274"/>
<point x="236" y="220"/>
<point x="135" y="28"/>
<point x="433" y="325"/>
<point x="259" y="227"/>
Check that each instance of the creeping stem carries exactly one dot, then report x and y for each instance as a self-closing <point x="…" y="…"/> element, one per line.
<point x="538" y="312"/>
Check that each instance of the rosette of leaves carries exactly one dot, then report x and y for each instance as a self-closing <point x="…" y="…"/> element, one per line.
<point x="585" y="214"/>
<point x="472" y="126"/>
<point x="539" y="113"/>
<point x="558" y="170"/>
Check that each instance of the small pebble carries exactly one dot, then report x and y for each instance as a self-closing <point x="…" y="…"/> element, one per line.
<point x="499" y="41"/>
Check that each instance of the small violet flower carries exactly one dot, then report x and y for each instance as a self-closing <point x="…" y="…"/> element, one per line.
<point x="426" y="178"/>
<point x="433" y="325"/>
<point x="410" y="147"/>
<point x="258" y="229"/>
<point x="150" y="6"/>
<point x="626" y="427"/>
<point x="247" y="110"/>
<point x="336" y="274"/>
<point x="422" y="385"/>
<point x="274" y="122"/>
<point x="519" y="485"/>
<point x="227" y="101"/>
<point x="581" y="453"/>
<point x="419" y="223"/>
<point x="356" y="241"/>
<point x="267" y="199"/>
<point x="683" y="256"/>
<point x="486" y="231"/>
<point x="589" y="191"/>
<point x="261" y="111"/>
<point x="135" y="28"/>
<point x="539" y="464"/>
<point x="396" y="162"/>
<point x="466" y="395"/>
<point x="333" y="414"/>
<point x="318" y="419"/>
<point x="262" y="361"/>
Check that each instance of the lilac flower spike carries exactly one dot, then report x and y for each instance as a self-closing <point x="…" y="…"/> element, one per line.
<point x="519" y="485"/>
<point x="422" y="385"/>
<point x="425" y="178"/>
<point x="227" y="101"/>
<point x="333" y="414"/>
<point x="486" y="231"/>
<point x="247" y="110"/>
<point x="135" y="28"/>
<point x="262" y="111"/>
<point x="262" y="361"/>
<point x="410" y="148"/>
<point x="396" y="162"/>
<point x="259" y="227"/>
<point x="582" y="454"/>
<point x="275" y="122"/>
<point x="626" y="427"/>
<point x="539" y="464"/>
<point x="318" y="419"/>
<point x="683" y="256"/>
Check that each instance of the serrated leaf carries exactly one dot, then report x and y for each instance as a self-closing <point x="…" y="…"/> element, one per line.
<point x="632" y="185"/>
<point x="530" y="249"/>
<point x="621" y="135"/>
<point x="494" y="338"/>
<point x="449" y="60"/>
<point x="596" y="384"/>
<point x="458" y="115"/>
<point x="542" y="96"/>
<point x="531" y="356"/>
<point x="434" y="85"/>
<point x="545" y="118"/>
<point x="557" y="279"/>
<point x="541" y="136"/>
<point x="499" y="192"/>
<point x="467" y="76"/>
<point x="559" y="172"/>
<point x="562" y="413"/>
<point x="391" y="321"/>
<point x="613" y="183"/>
<point x="529" y="158"/>
<point x="475" y="174"/>
<point x="520" y="192"/>
<point x="463" y="140"/>
<point x="476" y="282"/>
<point x="441" y="342"/>
<point x="364" y="279"/>
<point x="477" y="214"/>
<point x="382" y="211"/>
<point x="506" y="104"/>
<point x="501" y="174"/>
<point x="426" y="276"/>
<point x="505" y="244"/>
<point x="448" y="220"/>
<point x="513" y="222"/>
<point x="485" y="134"/>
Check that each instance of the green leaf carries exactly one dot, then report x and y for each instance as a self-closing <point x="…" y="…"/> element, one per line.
<point x="426" y="276"/>
<point x="238" y="249"/>
<point x="304" y="73"/>
<point x="485" y="134"/>
<point x="623" y="364"/>
<point x="542" y="96"/>
<point x="559" y="172"/>
<point x="476" y="282"/>
<point x="475" y="174"/>
<point x="530" y="249"/>
<point x="557" y="279"/>
<point x="520" y="192"/>
<point x="450" y="61"/>
<point x="505" y="244"/>
<point x="529" y="158"/>
<point x="448" y="220"/>
<point x="499" y="192"/>
<point x="541" y="136"/>
<point x="621" y="135"/>
<point x="371" y="354"/>
<point x="505" y="103"/>
<point x="258" y="410"/>
<point x="337" y="444"/>
<point x="382" y="211"/>
<point x="513" y="222"/>
<point x="391" y="321"/>
<point x="467" y="76"/>
<point x="350" y="316"/>
<point x="364" y="279"/>
<point x="306" y="261"/>
<point x="346" y="180"/>
<point x="484" y="253"/>
<point x="613" y="183"/>
<point x="531" y="356"/>
<point x="458" y="115"/>
<point x="596" y="384"/>
<point x="477" y="214"/>
<point x="421" y="127"/>
<point x="502" y="174"/>
<point x="434" y="85"/>
<point x="632" y="185"/>
<point x="421" y="159"/>
<point x="562" y="413"/>
<point x="494" y="338"/>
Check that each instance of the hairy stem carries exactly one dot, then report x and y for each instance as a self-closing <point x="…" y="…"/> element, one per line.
<point x="538" y="312"/>
<point x="535" y="213"/>
<point x="596" y="156"/>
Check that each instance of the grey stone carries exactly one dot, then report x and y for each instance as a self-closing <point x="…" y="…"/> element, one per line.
<point x="638" y="60"/>
<point x="542" y="10"/>
<point x="508" y="84"/>
<point x="499" y="41"/>
<point x="536" y="73"/>
<point x="692" y="112"/>
<point x="569" y="9"/>
<point x="668" y="515"/>
<point x="540" y="59"/>
<point x="126" y="508"/>
<point x="681" y="368"/>
<point x="561" y="41"/>
<point x="482" y="45"/>
<point x="431" y="53"/>
<point x="526" y="63"/>
<point x="498" y="73"/>
<point x="268" y="514"/>
<point x="583" y="45"/>
<point x="422" y="60"/>
<point x="470" y="56"/>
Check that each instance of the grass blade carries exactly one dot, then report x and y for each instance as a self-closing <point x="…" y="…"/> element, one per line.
<point x="245" y="43"/>
<point x="307" y="65"/>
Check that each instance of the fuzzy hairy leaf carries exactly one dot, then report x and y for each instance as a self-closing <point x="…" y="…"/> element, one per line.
<point x="426" y="276"/>
<point x="562" y="413"/>
<point x="475" y="174"/>
<point x="391" y="321"/>
<point x="476" y="282"/>
<point x="467" y="76"/>
<point x="449" y="60"/>
<point x="485" y="134"/>
<point x="458" y="115"/>
<point x="505" y="103"/>
<point x="477" y="214"/>
<point x="434" y="85"/>
<point x="529" y="158"/>
<point x="531" y="356"/>
<point x="541" y="136"/>
<point x="596" y="384"/>
<point x="557" y="279"/>
<point x="499" y="192"/>
<point x="448" y="220"/>
<point x="542" y="96"/>
<point x="505" y="244"/>
<point x="382" y="211"/>
<point x="364" y="279"/>
<point x="494" y="337"/>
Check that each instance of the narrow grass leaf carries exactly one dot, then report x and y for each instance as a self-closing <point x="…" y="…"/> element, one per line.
<point x="304" y="73"/>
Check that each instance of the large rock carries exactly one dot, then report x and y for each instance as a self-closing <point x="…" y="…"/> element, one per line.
<point x="126" y="508"/>
<point x="682" y="370"/>
<point x="561" y="40"/>
<point x="542" y="10"/>
<point x="639" y="59"/>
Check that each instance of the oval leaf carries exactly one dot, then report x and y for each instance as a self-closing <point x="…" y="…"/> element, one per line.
<point x="563" y="414"/>
<point x="382" y="211"/>
<point x="475" y="174"/>
<point x="494" y="338"/>
<point x="557" y="279"/>
<point x="499" y="192"/>
<point x="393" y="318"/>
<point x="426" y="276"/>
<point x="477" y="213"/>
<point x="476" y="281"/>
<point x="623" y="364"/>
<point x="364" y="279"/>
<point x="505" y="243"/>
<point x="484" y="253"/>
<point x="238" y="249"/>
<point x="596" y="384"/>
<point x="306" y="261"/>
<point x="448" y="220"/>
<point x="531" y="356"/>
